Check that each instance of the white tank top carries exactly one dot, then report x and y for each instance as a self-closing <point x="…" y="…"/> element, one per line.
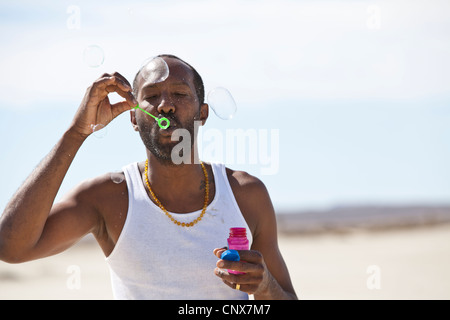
<point x="157" y="259"/>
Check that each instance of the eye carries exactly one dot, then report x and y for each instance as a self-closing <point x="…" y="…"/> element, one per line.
<point x="149" y="97"/>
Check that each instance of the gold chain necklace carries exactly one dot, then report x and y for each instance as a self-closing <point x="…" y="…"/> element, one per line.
<point x="183" y="224"/>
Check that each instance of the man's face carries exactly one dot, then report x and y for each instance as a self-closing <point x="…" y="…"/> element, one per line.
<point x="174" y="98"/>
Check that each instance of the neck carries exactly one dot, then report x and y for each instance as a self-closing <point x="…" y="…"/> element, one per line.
<point x="173" y="182"/>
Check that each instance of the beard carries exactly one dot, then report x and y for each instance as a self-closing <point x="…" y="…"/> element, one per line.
<point x="159" y="147"/>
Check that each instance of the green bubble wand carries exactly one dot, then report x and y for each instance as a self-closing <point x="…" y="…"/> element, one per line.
<point x="160" y="121"/>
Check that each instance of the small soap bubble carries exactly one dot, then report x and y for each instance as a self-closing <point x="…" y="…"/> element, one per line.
<point x="155" y="70"/>
<point x="222" y="102"/>
<point x="117" y="177"/>
<point x="98" y="130"/>
<point x="93" y="56"/>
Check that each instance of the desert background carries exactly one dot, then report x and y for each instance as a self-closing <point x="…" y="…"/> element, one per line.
<point x="369" y="253"/>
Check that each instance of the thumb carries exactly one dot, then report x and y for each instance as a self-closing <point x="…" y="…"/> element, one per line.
<point x="120" y="107"/>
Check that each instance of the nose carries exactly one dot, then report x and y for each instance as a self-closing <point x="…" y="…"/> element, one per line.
<point x="166" y="105"/>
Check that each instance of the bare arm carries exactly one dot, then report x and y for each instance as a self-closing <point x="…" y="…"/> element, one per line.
<point x="267" y="276"/>
<point x="25" y="215"/>
<point x="26" y="231"/>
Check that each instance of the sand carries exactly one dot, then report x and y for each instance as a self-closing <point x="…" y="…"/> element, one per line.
<point x="397" y="264"/>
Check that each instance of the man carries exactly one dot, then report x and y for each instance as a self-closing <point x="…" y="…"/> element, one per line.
<point x="161" y="226"/>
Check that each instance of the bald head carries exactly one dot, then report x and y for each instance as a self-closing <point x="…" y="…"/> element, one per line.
<point x="196" y="79"/>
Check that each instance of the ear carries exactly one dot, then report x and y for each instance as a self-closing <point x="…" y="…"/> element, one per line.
<point x="204" y="113"/>
<point x="133" y="119"/>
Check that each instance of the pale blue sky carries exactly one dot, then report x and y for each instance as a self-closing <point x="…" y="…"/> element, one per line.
<point x="362" y="87"/>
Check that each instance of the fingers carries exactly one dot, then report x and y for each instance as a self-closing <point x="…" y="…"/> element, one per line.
<point x="250" y="260"/>
<point x="119" y="107"/>
<point x="251" y="256"/>
<point x="121" y="77"/>
<point x="123" y="81"/>
<point x="251" y="263"/>
<point x="218" y="251"/>
<point x="115" y="82"/>
<point x="124" y="88"/>
<point x="248" y="282"/>
<point x="96" y="107"/>
<point x="241" y="266"/>
<point x="127" y="95"/>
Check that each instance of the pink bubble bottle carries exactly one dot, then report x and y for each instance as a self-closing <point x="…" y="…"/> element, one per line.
<point x="238" y="241"/>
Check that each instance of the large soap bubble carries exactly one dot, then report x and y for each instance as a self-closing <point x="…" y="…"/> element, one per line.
<point x="155" y="70"/>
<point x="222" y="102"/>
<point x="93" y="56"/>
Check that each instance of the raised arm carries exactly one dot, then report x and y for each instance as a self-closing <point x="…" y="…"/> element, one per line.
<point x="26" y="231"/>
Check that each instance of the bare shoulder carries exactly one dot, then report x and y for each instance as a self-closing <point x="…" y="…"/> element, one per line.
<point x="106" y="194"/>
<point x="242" y="181"/>
<point x="98" y="187"/>
<point x="91" y="198"/>
<point x="253" y="199"/>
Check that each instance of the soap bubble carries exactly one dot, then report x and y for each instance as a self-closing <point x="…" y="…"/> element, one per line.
<point x="93" y="56"/>
<point x="117" y="177"/>
<point x="222" y="102"/>
<point x="155" y="70"/>
<point x="98" y="130"/>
